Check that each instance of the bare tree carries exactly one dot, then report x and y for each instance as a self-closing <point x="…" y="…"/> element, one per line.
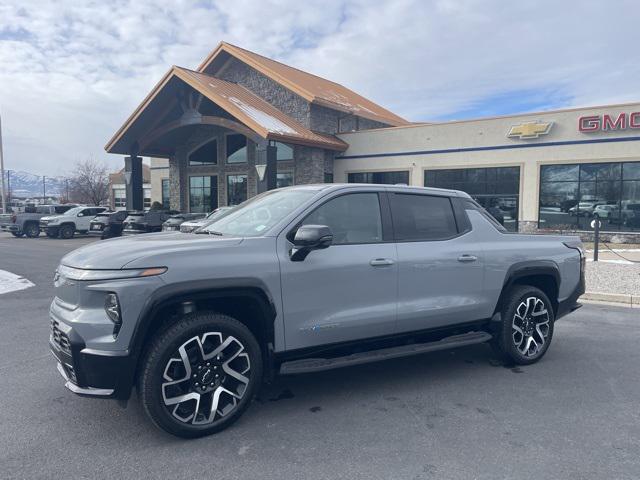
<point x="90" y="182"/>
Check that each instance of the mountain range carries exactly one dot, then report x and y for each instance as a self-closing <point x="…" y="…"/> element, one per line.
<point x="25" y="184"/>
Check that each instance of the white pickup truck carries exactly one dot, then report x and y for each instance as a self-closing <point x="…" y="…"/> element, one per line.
<point x="66" y="225"/>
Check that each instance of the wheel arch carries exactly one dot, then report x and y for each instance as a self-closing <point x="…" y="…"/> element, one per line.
<point x="250" y="304"/>
<point x="542" y="274"/>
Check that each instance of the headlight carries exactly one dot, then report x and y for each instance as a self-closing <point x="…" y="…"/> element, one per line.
<point x="82" y="274"/>
<point x="112" y="307"/>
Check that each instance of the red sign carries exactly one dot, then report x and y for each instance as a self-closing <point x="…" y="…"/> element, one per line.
<point x="608" y="123"/>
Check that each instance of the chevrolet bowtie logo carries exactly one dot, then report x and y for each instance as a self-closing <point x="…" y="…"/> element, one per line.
<point x="525" y="131"/>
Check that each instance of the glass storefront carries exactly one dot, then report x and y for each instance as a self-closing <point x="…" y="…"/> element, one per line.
<point x="495" y="188"/>
<point x="203" y="194"/>
<point x="572" y="195"/>
<point x="236" y="189"/>
<point x="388" y="178"/>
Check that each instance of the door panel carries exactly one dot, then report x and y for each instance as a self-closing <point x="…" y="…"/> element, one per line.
<point x="336" y="295"/>
<point x="349" y="290"/>
<point x="440" y="270"/>
<point x="440" y="283"/>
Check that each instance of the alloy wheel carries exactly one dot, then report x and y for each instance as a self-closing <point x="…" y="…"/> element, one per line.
<point x="205" y="379"/>
<point x="530" y="327"/>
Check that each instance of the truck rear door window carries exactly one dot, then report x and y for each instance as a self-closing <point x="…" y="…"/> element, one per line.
<point x="422" y="217"/>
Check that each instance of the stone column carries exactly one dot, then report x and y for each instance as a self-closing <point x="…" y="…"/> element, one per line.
<point x="309" y="165"/>
<point x="177" y="180"/>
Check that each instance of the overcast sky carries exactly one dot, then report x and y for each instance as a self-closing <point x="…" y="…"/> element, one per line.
<point x="71" y="72"/>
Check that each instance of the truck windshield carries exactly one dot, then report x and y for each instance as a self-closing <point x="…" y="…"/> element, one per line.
<point x="257" y="215"/>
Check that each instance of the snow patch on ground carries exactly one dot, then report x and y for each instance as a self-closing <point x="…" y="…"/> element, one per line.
<point x="10" y="282"/>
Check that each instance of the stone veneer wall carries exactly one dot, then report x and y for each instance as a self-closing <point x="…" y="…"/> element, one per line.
<point x="270" y="91"/>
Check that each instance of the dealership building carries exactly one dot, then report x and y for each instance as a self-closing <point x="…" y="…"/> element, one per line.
<point x="241" y="124"/>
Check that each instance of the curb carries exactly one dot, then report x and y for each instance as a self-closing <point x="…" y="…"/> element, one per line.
<point x="621" y="298"/>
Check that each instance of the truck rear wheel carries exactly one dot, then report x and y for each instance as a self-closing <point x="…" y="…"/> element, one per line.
<point x="200" y="374"/>
<point x="32" y="230"/>
<point x="527" y="326"/>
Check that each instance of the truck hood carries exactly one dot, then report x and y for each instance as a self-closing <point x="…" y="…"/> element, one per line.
<point x="141" y="251"/>
<point x="48" y="218"/>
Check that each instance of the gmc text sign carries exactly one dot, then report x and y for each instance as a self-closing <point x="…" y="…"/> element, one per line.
<point x="607" y="123"/>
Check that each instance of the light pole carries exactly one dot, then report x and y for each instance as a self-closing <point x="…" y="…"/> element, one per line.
<point x="4" y="195"/>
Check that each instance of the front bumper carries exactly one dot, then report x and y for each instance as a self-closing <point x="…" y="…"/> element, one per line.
<point x="88" y="372"/>
<point x="10" y="228"/>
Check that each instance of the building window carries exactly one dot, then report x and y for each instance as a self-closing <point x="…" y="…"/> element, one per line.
<point x="572" y="195"/>
<point x="146" y="198"/>
<point x="496" y="189"/>
<point x="166" y="199"/>
<point x="388" y="178"/>
<point x="207" y="154"/>
<point x="203" y="194"/>
<point x="236" y="148"/>
<point x="119" y="198"/>
<point x="236" y="189"/>
<point x="285" y="152"/>
<point x="284" y="179"/>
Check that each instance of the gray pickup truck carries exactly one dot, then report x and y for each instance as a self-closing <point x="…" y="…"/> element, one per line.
<point x="298" y="280"/>
<point x="28" y="222"/>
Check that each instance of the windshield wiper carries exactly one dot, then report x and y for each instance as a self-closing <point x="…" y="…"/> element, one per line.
<point x="209" y="232"/>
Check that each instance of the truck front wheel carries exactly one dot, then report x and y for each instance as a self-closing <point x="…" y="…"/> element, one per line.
<point x="200" y="374"/>
<point x="526" y="330"/>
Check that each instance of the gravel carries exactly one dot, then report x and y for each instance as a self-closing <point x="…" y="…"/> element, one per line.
<point x="605" y="277"/>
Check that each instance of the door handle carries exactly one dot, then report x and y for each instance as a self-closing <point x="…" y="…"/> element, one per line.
<point x="467" y="258"/>
<point x="381" y="262"/>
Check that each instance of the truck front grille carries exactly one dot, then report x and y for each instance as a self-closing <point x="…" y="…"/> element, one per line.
<point x="59" y="337"/>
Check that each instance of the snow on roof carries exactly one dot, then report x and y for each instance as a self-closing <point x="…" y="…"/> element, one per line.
<point x="264" y="119"/>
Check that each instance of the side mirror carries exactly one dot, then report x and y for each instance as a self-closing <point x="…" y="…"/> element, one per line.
<point x="81" y="214"/>
<point x="308" y="238"/>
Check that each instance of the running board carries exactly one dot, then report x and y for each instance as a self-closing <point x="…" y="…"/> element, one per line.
<point x="309" y="365"/>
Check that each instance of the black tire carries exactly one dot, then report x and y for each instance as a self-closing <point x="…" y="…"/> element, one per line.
<point x="17" y="234"/>
<point x="205" y="326"/>
<point x="506" y="342"/>
<point x="67" y="231"/>
<point x="32" y="230"/>
<point x="106" y="233"/>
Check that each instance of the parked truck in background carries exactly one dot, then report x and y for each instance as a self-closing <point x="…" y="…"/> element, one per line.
<point x="74" y="220"/>
<point x="28" y="222"/>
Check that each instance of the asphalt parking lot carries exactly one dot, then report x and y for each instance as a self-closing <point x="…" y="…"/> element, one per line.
<point x="458" y="414"/>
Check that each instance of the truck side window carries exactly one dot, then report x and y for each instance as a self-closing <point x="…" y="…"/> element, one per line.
<point x="353" y="218"/>
<point x="422" y="217"/>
